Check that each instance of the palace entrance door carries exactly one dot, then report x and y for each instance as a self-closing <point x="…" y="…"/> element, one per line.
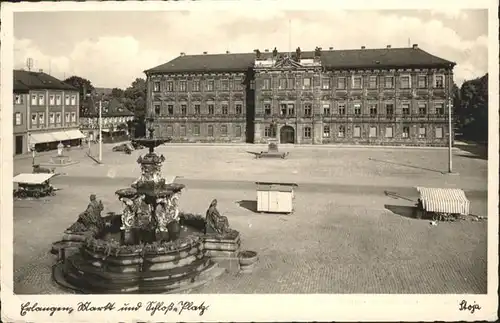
<point x="287" y="135"/>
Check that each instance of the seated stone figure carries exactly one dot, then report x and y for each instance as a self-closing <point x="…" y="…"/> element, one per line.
<point x="216" y="223"/>
<point x="90" y="220"/>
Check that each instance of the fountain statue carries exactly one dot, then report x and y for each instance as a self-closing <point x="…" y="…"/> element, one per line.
<point x="151" y="247"/>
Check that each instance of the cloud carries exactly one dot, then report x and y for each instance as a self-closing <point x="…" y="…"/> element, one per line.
<point x="115" y="61"/>
<point x="450" y="13"/>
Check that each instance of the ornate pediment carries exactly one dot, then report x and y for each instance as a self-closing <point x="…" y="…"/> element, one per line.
<point x="286" y="63"/>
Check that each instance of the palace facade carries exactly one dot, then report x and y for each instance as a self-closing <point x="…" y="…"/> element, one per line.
<point x="389" y="96"/>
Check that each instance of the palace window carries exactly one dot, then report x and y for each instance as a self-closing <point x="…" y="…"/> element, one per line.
<point x="58" y="117"/>
<point x="372" y="82"/>
<point x="41" y="119"/>
<point x="291" y="109"/>
<point x="170" y="86"/>
<point x="224" y="109"/>
<point x="422" y="109"/>
<point x="439" y="108"/>
<point x="182" y="131"/>
<point x="210" y="131"/>
<point x="405" y="107"/>
<point x="170" y="131"/>
<point x="307" y="132"/>
<point x="406" y="132"/>
<point x="223" y="130"/>
<point x="18" y="99"/>
<point x="341" y="133"/>
<point x="266" y="84"/>
<point x="224" y="85"/>
<point x="389" y="109"/>
<point x="52" y="99"/>
<point x="156" y="87"/>
<point x="405" y="82"/>
<point x="196" y="130"/>
<point x="58" y="99"/>
<point x="267" y="109"/>
<point x="439" y="132"/>
<point x="157" y="109"/>
<point x="357" y="82"/>
<point x="307" y="109"/>
<point x="239" y="108"/>
<point x="18" y="119"/>
<point x="210" y="85"/>
<point x="34" y="100"/>
<point x="182" y="86"/>
<point x="307" y="83"/>
<point x="439" y="82"/>
<point x="282" y="84"/>
<point x="196" y="87"/>
<point x="270" y="131"/>
<point x="341" y="107"/>
<point x="422" y="81"/>
<point x="326" y="131"/>
<point x="197" y="109"/>
<point x="170" y="109"/>
<point x="373" y="109"/>
<point x="73" y="100"/>
<point x="356" y="132"/>
<point x="67" y="118"/>
<point x="211" y="109"/>
<point x="357" y="109"/>
<point x="388" y="132"/>
<point x="41" y="99"/>
<point x="421" y="132"/>
<point x="238" y="84"/>
<point x="237" y="131"/>
<point x="183" y="109"/>
<point x="373" y="132"/>
<point x="66" y="100"/>
<point x="283" y="109"/>
<point x="341" y="83"/>
<point x="389" y="82"/>
<point x="325" y="83"/>
<point x="326" y="109"/>
<point x="73" y="117"/>
<point x="290" y="84"/>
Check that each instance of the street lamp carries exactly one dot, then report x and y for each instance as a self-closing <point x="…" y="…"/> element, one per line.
<point x="33" y="154"/>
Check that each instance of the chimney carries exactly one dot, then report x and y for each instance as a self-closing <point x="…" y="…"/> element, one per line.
<point x="415" y="46"/>
<point x="266" y="50"/>
<point x="183" y="54"/>
<point x="363" y="47"/>
<point x="388" y="46"/>
<point x="228" y="52"/>
<point x="331" y="48"/>
<point x="204" y="53"/>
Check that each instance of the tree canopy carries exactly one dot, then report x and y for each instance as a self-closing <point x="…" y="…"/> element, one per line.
<point x="471" y="109"/>
<point x="80" y="83"/>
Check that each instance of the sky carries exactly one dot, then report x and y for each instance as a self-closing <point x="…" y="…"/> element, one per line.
<point x="112" y="49"/>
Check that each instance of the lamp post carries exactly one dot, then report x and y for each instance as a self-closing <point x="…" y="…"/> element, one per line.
<point x="100" y="130"/>
<point x="33" y="153"/>
<point x="450" y="130"/>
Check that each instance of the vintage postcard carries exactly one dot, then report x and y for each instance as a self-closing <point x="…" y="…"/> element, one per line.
<point x="247" y="161"/>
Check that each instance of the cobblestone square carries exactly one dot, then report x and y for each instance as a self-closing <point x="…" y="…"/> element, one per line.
<point x="341" y="238"/>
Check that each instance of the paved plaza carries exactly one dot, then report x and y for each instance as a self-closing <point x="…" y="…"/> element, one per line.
<point x="347" y="235"/>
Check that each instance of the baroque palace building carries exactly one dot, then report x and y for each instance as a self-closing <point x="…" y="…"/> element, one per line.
<point x="388" y="96"/>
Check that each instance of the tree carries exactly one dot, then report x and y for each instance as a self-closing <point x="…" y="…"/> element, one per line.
<point x="117" y="93"/>
<point x="135" y="97"/>
<point x="80" y="83"/>
<point x="472" y="110"/>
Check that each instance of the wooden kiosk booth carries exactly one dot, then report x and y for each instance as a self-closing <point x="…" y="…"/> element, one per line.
<point x="275" y="197"/>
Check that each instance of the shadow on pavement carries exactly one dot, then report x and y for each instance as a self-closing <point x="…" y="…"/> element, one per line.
<point x="406" y="165"/>
<point x="476" y="151"/>
<point x="249" y="205"/>
<point x="404" y="211"/>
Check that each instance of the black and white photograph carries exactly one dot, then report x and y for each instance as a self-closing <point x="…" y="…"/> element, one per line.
<point x="159" y="158"/>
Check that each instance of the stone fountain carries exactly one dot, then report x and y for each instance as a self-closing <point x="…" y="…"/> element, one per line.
<point x="151" y="247"/>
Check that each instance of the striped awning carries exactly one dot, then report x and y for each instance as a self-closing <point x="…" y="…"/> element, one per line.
<point x="444" y="200"/>
<point x="74" y="134"/>
<point x="40" y="138"/>
<point x="37" y="178"/>
<point x="59" y="136"/>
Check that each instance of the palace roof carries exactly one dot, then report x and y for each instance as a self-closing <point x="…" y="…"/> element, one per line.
<point x="27" y="80"/>
<point x="331" y="59"/>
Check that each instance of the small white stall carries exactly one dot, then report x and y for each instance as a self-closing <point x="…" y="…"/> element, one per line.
<point x="275" y="197"/>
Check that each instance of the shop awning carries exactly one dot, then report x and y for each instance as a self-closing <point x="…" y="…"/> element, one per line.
<point x="59" y="136"/>
<point x="74" y="134"/>
<point x="32" y="178"/>
<point x="444" y="200"/>
<point x="41" y="138"/>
